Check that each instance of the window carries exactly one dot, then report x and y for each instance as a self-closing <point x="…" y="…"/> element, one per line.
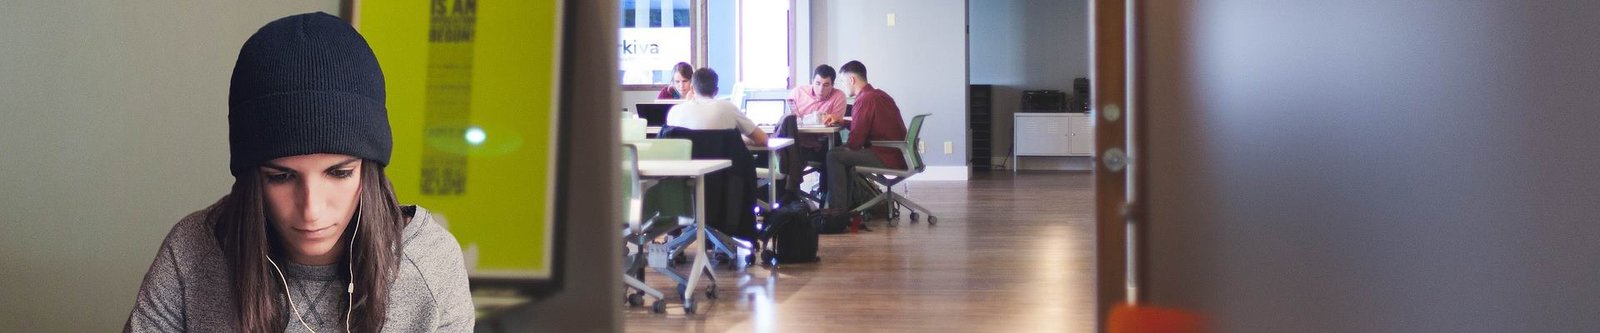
<point x="655" y="35"/>
<point x="764" y="44"/>
<point x="750" y="43"/>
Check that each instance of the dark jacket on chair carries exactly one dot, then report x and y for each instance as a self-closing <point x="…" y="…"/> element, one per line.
<point x="730" y="193"/>
<point x="792" y="162"/>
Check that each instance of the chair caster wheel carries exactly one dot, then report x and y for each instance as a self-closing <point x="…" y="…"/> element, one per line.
<point x="689" y="307"/>
<point x="635" y="300"/>
<point x="659" y="306"/>
<point x="933" y="220"/>
<point x="711" y="293"/>
<point x="915" y="217"/>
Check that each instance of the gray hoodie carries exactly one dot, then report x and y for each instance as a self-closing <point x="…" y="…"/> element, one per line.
<point x="187" y="287"/>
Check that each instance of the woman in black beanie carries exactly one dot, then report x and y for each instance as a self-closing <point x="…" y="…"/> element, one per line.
<point x="311" y="238"/>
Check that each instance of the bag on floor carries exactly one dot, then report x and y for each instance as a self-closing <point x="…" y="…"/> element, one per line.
<point x="789" y="236"/>
<point x="830" y="221"/>
<point x="865" y="190"/>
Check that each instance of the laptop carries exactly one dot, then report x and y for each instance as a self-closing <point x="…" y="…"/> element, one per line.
<point x="654" y="114"/>
<point x="766" y="112"/>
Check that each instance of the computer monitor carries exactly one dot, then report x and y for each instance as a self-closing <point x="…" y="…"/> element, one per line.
<point x="766" y="112"/>
<point x="654" y="114"/>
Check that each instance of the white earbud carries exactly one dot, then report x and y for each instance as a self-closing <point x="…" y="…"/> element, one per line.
<point x="350" y="261"/>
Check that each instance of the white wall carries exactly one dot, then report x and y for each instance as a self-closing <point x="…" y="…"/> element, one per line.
<point x="114" y="127"/>
<point x="921" y="62"/>
<point x="1022" y="45"/>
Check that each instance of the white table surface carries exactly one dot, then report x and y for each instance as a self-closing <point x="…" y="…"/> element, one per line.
<point x="772" y="144"/>
<point x="810" y="129"/>
<point x="681" y="168"/>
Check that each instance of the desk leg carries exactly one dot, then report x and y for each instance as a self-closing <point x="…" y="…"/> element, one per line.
<point x="702" y="235"/>
<point x="772" y="180"/>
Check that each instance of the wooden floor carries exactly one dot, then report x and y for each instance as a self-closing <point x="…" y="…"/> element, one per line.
<point x="1009" y="254"/>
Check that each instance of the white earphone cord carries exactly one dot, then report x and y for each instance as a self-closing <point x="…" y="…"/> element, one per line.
<point x="350" y="289"/>
<point x="350" y="262"/>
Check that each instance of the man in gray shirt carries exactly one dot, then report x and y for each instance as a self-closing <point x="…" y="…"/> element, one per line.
<point x="709" y="113"/>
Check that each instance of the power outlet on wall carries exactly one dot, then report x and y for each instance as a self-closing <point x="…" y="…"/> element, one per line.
<point x="949" y="148"/>
<point x="922" y="147"/>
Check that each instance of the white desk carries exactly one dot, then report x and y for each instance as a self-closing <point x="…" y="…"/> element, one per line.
<point x="814" y="129"/>
<point x="695" y="170"/>
<point x="773" y="146"/>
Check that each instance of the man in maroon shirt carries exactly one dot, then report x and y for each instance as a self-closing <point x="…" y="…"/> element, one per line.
<point x="877" y="118"/>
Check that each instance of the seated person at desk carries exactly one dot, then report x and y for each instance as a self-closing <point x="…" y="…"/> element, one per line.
<point x="877" y="118"/>
<point x="679" y="89"/>
<point x="819" y="97"/>
<point x="709" y="113"/>
<point x="822" y="101"/>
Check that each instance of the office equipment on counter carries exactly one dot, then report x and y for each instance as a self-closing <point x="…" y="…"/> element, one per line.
<point x="1044" y="101"/>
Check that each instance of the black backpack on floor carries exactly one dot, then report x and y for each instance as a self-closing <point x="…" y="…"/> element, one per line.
<point x="788" y="236"/>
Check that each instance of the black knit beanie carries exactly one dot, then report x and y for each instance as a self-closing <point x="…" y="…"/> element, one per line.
<point x="306" y="84"/>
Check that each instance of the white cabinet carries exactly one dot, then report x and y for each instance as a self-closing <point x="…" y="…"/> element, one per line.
<point x="1080" y="135"/>
<point x="1053" y="134"/>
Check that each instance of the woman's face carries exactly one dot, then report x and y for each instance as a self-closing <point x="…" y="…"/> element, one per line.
<point x="310" y="199"/>
<point x="681" y="84"/>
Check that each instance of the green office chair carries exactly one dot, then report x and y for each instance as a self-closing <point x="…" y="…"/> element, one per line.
<point x="891" y="177"/>
<point x="663" y="149"/>
<point x="634" y="235"/>
<point x="662" y="205"/>
<point x="664" y="201"/>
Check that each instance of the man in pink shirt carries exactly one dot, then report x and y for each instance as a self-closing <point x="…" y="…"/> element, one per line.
<point x="819" y="97"/>
<point x="827" y="104"/>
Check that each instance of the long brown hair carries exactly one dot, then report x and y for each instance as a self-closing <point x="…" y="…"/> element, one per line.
<point x="239" y="221"/>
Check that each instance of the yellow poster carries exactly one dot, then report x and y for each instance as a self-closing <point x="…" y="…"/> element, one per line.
<point x="472" y="87"/>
